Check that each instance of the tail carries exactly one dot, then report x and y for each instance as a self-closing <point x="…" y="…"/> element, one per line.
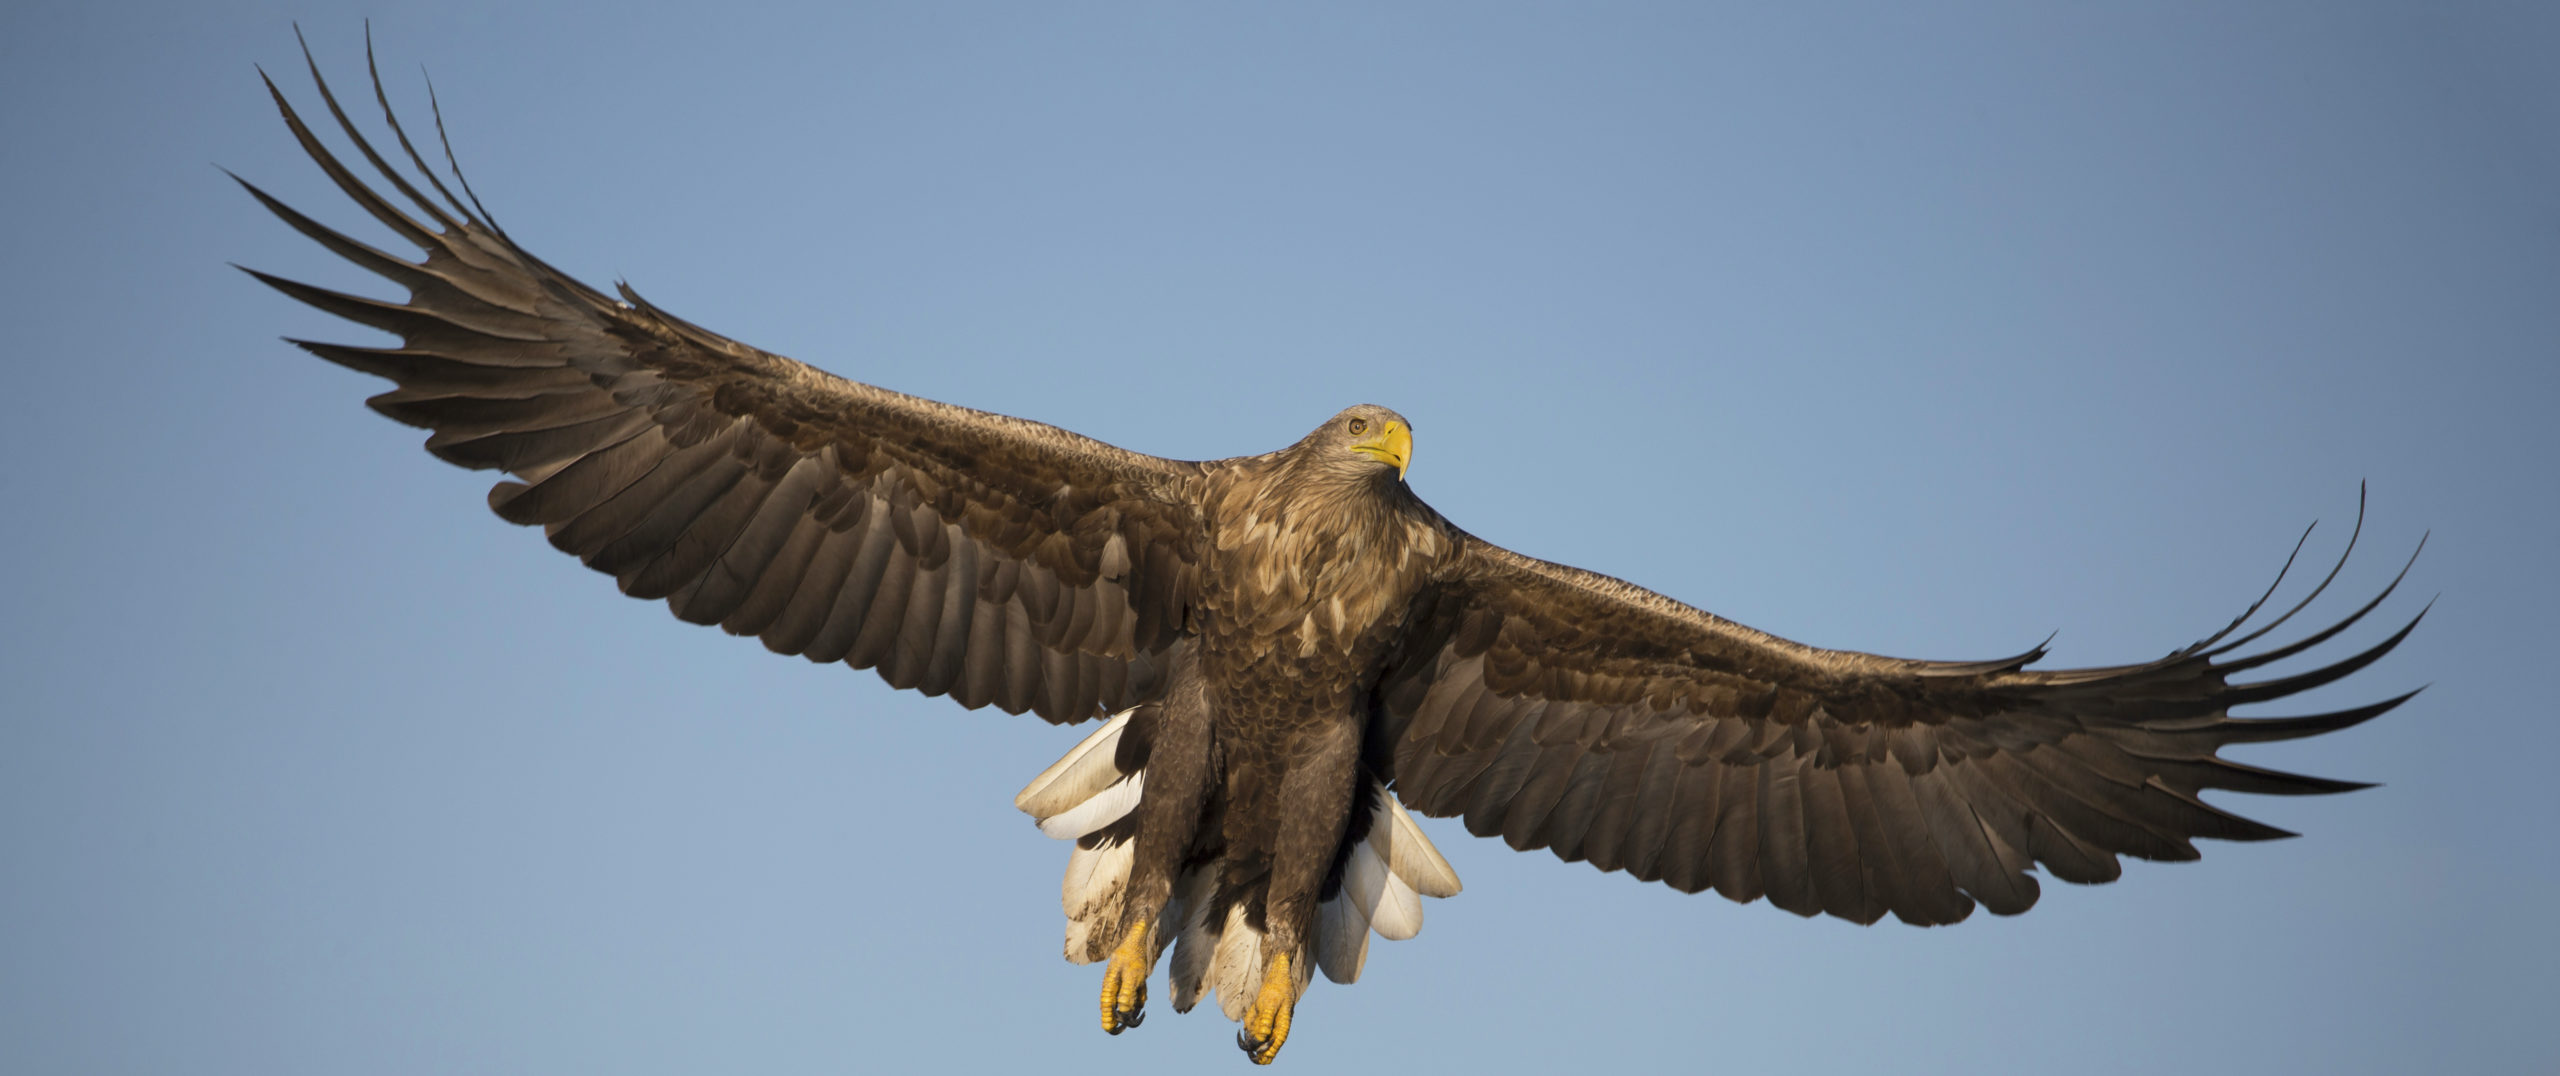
<point x="1085" y="797"/>
<point x="1384" y="878"/>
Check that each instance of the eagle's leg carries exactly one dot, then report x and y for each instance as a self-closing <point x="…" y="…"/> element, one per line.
<point x="1178" y="767"/>
<point x="1266" y="1024"/>
<point x="1315" y="798"/>
<point x="1124" y="980"/>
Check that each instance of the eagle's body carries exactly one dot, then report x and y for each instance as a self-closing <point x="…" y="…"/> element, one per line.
<point x="1290" y="646"/>
<point x="1256" y="753"/>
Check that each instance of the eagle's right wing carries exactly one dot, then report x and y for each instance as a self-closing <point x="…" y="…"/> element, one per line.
<point x="994" y="559"/>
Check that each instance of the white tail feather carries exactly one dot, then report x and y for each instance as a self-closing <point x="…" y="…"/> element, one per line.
<point x="1342" y="939"/>
<point x="1110" y="805"/>
<point x="1097" y="884"/>
<point x="1407" y="852"/>
<point x="1392" y="907"/>
<point x="1087" y="768"/>
<point x="1235" y="969"/>
<point x="1081" y="863"/>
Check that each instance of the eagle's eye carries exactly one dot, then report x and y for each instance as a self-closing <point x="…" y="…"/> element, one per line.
<point x="1357" y="426"/>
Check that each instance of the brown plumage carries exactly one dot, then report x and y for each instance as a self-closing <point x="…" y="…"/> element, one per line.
<point x="1289" y="636"/>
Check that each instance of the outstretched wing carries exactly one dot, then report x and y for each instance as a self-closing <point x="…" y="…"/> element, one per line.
<point x="1566" y="710"/>
<point x="996" y="560"/>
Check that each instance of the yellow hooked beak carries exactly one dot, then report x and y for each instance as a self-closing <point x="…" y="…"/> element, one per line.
<point x="1393" y="444"/>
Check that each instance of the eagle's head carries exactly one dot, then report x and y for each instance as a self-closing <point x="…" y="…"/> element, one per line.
<point x="1365" y="439"/>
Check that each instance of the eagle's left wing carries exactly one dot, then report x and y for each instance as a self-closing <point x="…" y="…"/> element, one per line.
<point x="1567" y="710"/>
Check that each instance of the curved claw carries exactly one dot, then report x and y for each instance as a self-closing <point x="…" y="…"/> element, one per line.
<point x="1115" y="1021"/>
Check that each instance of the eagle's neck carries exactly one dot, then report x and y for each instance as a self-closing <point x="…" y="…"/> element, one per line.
<point x="1312" y="558"/>
<point x="1355" y="502"/>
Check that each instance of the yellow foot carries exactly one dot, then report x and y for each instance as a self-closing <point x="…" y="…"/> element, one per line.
<point x="1124" y="982"/>
<point x="1266" y="1024"/>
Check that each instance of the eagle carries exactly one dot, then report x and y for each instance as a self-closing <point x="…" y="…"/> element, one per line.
<point x="1288" y="652"/>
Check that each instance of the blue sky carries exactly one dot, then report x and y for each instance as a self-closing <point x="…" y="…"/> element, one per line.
<point x="1923" y="333"/>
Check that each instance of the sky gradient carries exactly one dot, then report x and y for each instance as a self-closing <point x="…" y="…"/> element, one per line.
<point x="1920" y="334"/>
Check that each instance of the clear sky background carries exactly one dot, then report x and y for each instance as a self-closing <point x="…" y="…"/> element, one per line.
<point x="1923" y="333"/>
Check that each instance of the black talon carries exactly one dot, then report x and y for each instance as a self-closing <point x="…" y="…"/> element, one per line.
<point x="1132" y="1016"/>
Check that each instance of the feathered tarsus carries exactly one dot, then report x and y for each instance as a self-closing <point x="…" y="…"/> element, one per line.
<point x="1295" y="632"/>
